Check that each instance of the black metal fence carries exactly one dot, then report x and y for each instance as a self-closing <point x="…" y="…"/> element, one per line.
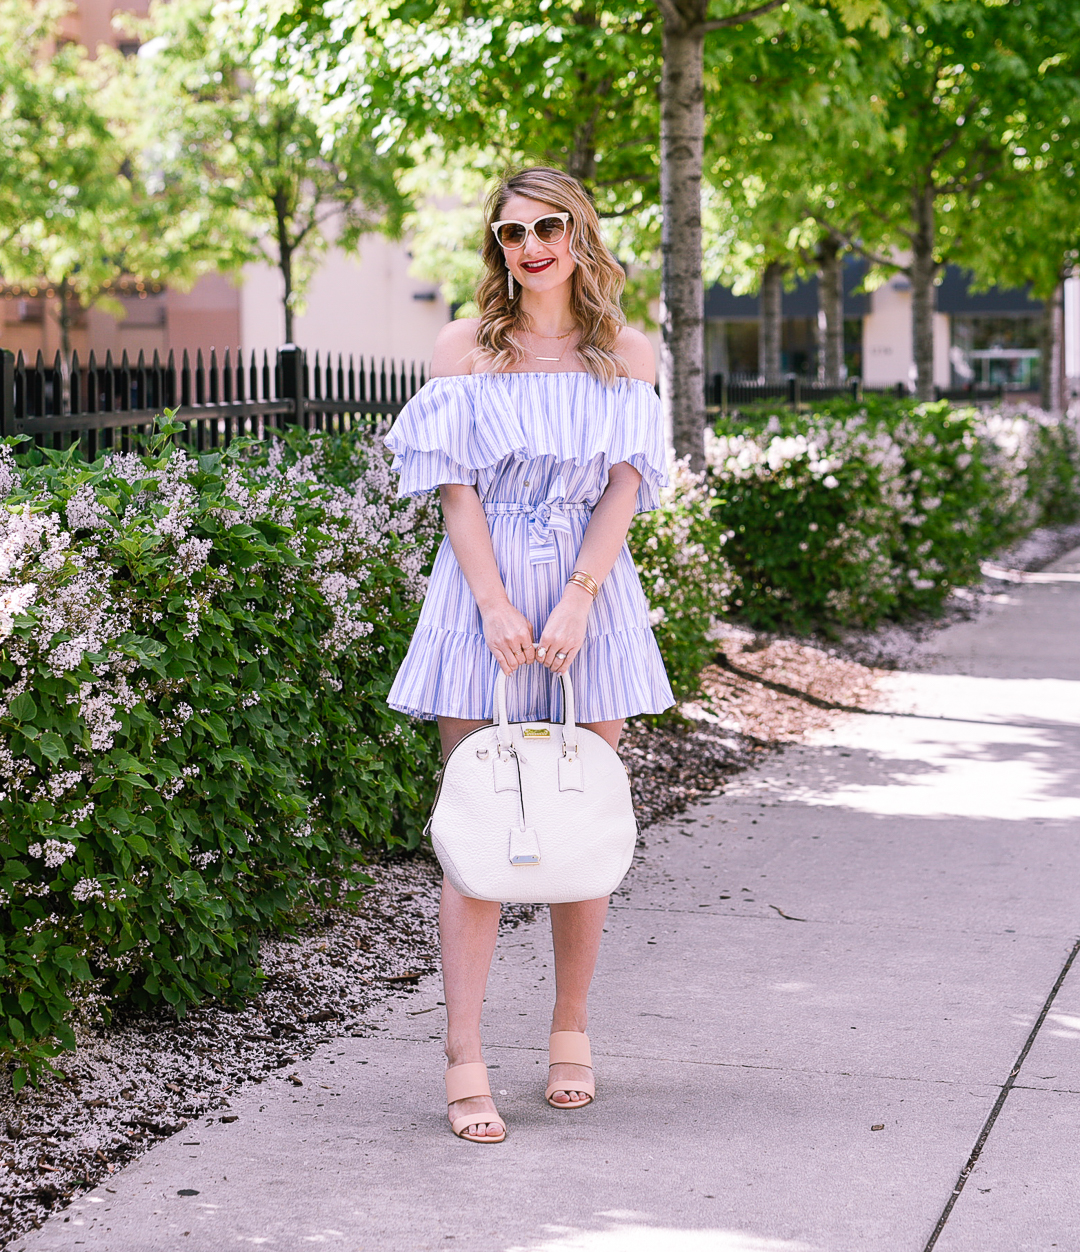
<point x="104" y="406"/>
<point x="725" y="392"/>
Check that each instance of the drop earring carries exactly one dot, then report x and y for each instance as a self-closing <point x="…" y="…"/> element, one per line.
<point x="509" y="283"/>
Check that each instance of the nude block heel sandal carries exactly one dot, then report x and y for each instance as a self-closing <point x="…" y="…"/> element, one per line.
<point x="462" y="1083"/>
<point x="570" y="1047"/>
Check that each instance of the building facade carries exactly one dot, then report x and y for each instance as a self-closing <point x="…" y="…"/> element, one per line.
<point x="980" y="338"/>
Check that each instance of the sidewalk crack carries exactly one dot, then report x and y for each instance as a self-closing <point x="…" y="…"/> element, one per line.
<point x="999" y="1103"/>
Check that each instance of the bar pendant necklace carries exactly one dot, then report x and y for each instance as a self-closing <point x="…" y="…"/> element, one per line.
<point x="554" y="359"/>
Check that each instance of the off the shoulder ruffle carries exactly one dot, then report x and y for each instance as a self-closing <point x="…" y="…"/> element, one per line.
<point x="455" y="428"/>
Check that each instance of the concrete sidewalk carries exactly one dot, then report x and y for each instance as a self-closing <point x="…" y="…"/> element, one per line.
<point x="812" y="995"/>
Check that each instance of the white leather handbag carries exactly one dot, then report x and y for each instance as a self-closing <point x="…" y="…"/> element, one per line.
<point x="534" y="812"/>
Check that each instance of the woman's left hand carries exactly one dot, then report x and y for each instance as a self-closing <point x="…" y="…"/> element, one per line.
<point x="564" y="630"/>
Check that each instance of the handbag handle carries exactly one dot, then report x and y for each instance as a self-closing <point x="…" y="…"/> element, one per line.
<point x="568" y="723"/>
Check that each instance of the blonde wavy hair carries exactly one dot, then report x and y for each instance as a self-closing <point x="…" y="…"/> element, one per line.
<point x="595" y="285"/>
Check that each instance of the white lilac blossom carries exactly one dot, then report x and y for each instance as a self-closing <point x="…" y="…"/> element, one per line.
<point x="13" y="602"/>
<point x="87" y="889"/>
<point x="85" y="511"/>
<point x="54" y="852"/>
<point x="678" y="572"/>
<point x="65" y="585"/>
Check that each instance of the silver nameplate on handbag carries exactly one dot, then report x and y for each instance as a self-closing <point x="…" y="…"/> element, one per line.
<point x="524" y="846"/>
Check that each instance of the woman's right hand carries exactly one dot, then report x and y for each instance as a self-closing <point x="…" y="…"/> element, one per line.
<point x="509" y="635"/>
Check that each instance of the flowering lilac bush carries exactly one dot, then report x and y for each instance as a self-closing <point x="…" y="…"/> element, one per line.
<point x="193" y="655"/>
<point x="854" y="513"/>
<point x="679" y="551"/>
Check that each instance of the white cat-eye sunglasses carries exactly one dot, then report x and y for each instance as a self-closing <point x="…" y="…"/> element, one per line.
<point x="512" y="235"/>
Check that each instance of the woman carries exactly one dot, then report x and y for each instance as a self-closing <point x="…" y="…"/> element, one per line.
<point x="541" y="429"/>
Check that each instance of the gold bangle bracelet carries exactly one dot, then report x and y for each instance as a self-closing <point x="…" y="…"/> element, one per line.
<point x="585" y="581"/>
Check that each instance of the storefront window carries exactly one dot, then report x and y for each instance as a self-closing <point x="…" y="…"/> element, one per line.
<point x="732" y="347"/>
<point x="988" y="351"/>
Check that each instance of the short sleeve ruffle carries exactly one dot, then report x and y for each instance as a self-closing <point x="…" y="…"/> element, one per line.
<point x="456" y="428"/>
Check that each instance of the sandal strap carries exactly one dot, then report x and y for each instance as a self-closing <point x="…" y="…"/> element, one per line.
<point x="471" y="1119"/>
<point x="569" y="1047"/>
<point x="589" y="1088"/>
<point x="463" y="1081"/>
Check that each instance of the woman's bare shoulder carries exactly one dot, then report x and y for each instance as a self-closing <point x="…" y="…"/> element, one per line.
<point x="455" y="348"/>
<point x="636" y="350"/>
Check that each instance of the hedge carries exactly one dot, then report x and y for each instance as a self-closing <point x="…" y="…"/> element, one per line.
<point x="854" y="513"/>
<point x="195" y="651"/>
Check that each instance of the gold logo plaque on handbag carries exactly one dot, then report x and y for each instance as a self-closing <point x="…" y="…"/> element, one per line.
<point x="534" y="812"/>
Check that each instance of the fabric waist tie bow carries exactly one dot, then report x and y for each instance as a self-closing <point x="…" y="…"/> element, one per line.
<point x="544" y="520"/>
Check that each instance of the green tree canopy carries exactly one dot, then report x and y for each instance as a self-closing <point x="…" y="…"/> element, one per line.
<point x="956" y="88"/>
<point x="76" y="213"/>
<point x="227" y="130"/>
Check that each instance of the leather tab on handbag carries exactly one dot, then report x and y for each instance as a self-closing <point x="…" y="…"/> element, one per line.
<point x="571" y="773"/>
<point x="507" y="774"/>
<point x="524" y="846"/>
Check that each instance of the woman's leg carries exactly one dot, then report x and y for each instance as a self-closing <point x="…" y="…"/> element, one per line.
<point x="467" y="931"/>
<point x="576" y="930"/>
<point x="453" y="729"/>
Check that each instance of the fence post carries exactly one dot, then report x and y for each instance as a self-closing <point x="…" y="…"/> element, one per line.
<point x="856" y="389"/>
<point x="292" y="372"/>
<point x="7" y="392"/>
<point x="793" y="391"/>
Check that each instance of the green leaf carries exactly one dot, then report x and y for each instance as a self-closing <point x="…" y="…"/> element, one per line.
<point x="23" y="707"/>
<point x="52" y="746"/>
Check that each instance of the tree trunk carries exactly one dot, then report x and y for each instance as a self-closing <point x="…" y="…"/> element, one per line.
<point x="772" y="322"/>
<point x="1052" y="381"/>
<point x="923" y="272"/>
<point x="285" y="265"/>
<point x="682" y="302"/>
<point x="831" y="311"/>
<point x="285" y="254"/>
<point x="581" y="159"/>
<point x="65" y="319"/>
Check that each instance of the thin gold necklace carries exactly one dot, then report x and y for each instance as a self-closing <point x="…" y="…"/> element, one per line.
<point x="554" y="359"/>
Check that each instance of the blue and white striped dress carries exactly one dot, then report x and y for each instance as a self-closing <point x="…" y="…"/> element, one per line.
<point x="537" y="447"/>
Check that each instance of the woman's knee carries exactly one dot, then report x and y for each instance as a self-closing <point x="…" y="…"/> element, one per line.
<point x="611" y="732"/>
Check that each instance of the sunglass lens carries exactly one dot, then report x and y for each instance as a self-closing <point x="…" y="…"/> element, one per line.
<point x="550" y="229"/>
<point x="511" y="235"/>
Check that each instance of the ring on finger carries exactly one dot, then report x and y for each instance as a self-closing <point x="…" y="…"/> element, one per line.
<point x="541" y="653"/>
<point x="560" y="656"/>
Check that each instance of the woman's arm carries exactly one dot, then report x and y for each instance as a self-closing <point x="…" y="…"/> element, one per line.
<point x="507" y="632"/>
<point x="564" y="630"/>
